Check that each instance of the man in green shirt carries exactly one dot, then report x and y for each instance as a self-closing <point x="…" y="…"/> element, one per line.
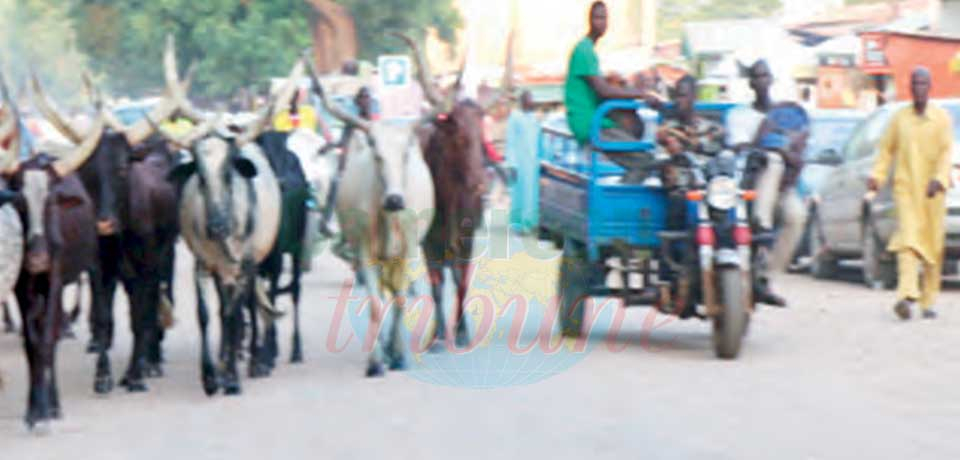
<point x="585" y="89"/>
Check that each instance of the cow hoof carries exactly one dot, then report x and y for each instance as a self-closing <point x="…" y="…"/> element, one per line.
<point x="259" y="370"/>
<point x="103" y="385"/>
<point x="210" y="385"/>
<point x="232" y="388"/>
<point x="463" y="340"/>
<point x="375" y="370"/>
<point x="398" y="362"/>
<point x="9" y="329"/>
<point x="153" y="370"/>
<point x="134" y="385"/>
<point x="437" y="347"/>
<point x="296" y="357"/>
<point x="68" y="334"/>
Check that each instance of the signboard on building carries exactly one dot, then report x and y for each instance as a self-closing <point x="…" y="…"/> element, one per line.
<point x="400" y="97"/>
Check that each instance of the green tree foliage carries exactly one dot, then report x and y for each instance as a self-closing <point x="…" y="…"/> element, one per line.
<point x="374" y="18"/>
<point x="674" y="14"/>
<point x="38" y="34"/>
<point x="235" y="42"/>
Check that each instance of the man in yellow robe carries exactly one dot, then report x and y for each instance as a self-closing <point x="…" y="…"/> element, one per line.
<point x="918" y="145"/>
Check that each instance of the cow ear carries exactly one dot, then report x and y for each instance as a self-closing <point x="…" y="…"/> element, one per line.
<point x="181" y="172"/>
<point x="245" y="167"/>
<point x="7" y="196"/>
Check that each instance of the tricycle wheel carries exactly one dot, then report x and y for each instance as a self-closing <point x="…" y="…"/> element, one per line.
<point x="730" y="325"/>
<point x="573" y="287"/>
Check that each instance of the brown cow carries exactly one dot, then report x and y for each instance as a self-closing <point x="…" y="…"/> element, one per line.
<point x="453" y="146"/>
<point x="61" y="236"/>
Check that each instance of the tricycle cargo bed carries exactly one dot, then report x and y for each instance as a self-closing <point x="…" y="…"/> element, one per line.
<point x="583" y="198"/>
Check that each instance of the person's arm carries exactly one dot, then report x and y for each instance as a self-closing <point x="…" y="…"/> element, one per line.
<point x="607" y="91"/>
<point x="881" y="169"/>
<point x="945" y="162"/>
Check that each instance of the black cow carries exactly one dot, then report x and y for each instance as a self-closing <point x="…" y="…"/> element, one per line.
<point x="295" y="192"/>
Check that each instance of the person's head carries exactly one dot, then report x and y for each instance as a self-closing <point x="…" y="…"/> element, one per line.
<point x="920" y="82"/>
<point x="526" y="101"/>
<point x="364" y="102"/>
<point x="598" y="20"/>
<point x="685" y="95"/>
<point x="350" y="67"/>
<point x="761" y="79"/>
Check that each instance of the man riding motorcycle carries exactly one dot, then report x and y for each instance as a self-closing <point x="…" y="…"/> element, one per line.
<point x="778" y="146"/>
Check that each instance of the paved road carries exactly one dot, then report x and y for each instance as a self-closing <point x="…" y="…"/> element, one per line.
<point x="834" y="377"/>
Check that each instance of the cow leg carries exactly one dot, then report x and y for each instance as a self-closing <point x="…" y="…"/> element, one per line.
<point x="437" y="279"/>
<point x="210" y="382"/>
<point x="26" y="299"/>
<point x="372" y="283"/>
<point x="167" y="305"/>
<point x="395" y="352"/>
<point x="271" y="348"/>
<point x="140" y="297"/>
<point x="101" y="319"/>
<point x="296" y="349"/>
<point x="258" y="367"/>
<point x="103" y="284"/>
<point x="231" y="317"/>
<point x="9" y="326"/>
<point x="461" y="276"/>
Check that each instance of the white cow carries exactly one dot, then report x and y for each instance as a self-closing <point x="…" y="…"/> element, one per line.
<point x="229" y="217"/>
<point x="384" y="206"/>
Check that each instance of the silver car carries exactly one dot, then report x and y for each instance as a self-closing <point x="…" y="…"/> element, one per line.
<point x="845" y="226"/>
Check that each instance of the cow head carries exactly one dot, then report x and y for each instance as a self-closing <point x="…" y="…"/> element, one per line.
<point x="216" y="163"/>
<point x="34" y="191"/>
<point x="105" y="175"/>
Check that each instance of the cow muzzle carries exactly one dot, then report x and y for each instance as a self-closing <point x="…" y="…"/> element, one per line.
<point x="393" y="203"/>
<point x="217" y="227"/>
<point x="38" y="256"/>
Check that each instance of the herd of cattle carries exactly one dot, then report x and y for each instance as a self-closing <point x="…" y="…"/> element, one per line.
<point x="113" y="205"/>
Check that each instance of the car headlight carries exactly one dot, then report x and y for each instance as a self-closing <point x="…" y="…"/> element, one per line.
<point x="722" y="193"/>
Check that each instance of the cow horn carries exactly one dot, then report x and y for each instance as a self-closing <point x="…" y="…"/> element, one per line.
<point x="8" y="130"/>
<point x="279" y="103"/>
<point x="80" y="154"/>
<point x="177" y="89"/>
<point x="506" y="85"/>
<point x="46" y="108"/>
<point x="423" y="71"/>
<point x="348" y="118"/>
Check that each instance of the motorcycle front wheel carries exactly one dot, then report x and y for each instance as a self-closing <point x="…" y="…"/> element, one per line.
<point x="729" y="327"/>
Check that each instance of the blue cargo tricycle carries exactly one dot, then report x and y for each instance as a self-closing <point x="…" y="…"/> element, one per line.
<point x="690" y="246"/>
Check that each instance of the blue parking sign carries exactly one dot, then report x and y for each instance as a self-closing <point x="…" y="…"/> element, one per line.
<point x="394" y="70"/>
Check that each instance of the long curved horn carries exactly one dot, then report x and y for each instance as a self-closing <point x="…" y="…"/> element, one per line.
<point x="175" y="87"/>
<point x="46" y="108"/>
<point x="506" y="85"/>
<point x="423" y="71"/>
<point x="9" y="129"/>
<point x="80" y="154"/>
<point x="279" y="103"/>
<point x="331" y="108"/>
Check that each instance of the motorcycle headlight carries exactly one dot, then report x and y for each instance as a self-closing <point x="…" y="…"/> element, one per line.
<point x="722" y="193"/>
